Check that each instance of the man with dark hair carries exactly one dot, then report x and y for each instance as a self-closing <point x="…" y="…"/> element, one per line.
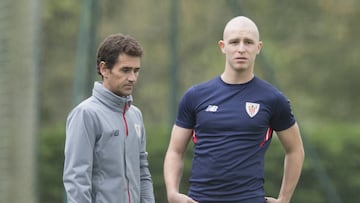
<point x="105" y="148"/>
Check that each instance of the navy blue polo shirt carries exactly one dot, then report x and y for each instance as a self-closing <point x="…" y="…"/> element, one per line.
<point x="233" y="125"/>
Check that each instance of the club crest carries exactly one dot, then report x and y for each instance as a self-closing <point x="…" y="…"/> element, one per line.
<point x="252" y="108"/>
<point x="138" y="130"/>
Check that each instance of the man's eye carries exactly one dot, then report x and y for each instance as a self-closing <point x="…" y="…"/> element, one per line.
<point x="126" y="70"/>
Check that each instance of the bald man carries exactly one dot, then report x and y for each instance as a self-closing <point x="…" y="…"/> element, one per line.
<point x="231" y="119"/>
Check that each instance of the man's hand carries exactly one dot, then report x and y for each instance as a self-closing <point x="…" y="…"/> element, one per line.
<point x="181" y="198"/>
<point x="273" y="200"/>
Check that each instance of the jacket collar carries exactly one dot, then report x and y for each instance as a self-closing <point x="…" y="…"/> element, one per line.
<point x="110" y="99"/>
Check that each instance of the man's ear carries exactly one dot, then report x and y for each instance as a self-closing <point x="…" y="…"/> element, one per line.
<point x="103" y="70"/>
<point x="221" y="45"/>
<point x="260" y="45"/>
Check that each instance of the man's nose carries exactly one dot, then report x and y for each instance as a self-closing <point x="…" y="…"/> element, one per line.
<point x="242" y="47"/>
<point x="132" y="76"/>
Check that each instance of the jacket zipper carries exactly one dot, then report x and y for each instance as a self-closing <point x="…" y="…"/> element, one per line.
<point x="126" y="133"/>
<point x="124" y="118"/>
<point x="128" y="190"/>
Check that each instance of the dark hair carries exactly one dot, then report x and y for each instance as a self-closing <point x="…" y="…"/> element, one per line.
<point x="114" y="45"/>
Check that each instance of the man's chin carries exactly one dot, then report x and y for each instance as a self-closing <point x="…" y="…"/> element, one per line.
<point x="123" y="94"/>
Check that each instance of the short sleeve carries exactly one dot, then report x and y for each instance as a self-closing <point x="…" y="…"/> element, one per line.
<point x="186" y="114"/>
<point x="283" y="117"/>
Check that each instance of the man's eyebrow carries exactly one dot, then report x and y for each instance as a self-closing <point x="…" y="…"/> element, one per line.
<point x="129" y="68"/>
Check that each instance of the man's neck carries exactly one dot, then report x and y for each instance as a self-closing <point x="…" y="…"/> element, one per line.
<point x="236" y="78"/>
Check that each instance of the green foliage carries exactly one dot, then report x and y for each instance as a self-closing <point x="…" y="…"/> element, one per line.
<point x="51" y="162"/>
<point x="336" y="149"/>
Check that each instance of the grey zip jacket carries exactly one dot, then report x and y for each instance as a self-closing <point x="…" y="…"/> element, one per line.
<point x="105" y="151"/>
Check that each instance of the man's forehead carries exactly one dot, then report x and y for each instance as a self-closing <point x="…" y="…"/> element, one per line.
<point x="241" y="25"/>
<point x="241" y="34"/>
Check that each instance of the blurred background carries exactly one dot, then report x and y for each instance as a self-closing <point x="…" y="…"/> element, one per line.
<point x="47" y="66"/>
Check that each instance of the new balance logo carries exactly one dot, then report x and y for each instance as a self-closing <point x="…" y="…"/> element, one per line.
<point x="211" y="108"/>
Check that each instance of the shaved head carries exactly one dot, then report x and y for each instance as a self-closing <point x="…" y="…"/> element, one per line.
<point x="241" y="24"/>
<point x="240" y="44"/>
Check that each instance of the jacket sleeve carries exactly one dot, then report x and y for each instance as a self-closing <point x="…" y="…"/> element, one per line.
<point x="79" y="144"/>
<point x="147" y="190"/>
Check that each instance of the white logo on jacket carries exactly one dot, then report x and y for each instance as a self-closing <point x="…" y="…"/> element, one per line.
<point x="252" y="108"/>
<point x="138" y="130"/>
